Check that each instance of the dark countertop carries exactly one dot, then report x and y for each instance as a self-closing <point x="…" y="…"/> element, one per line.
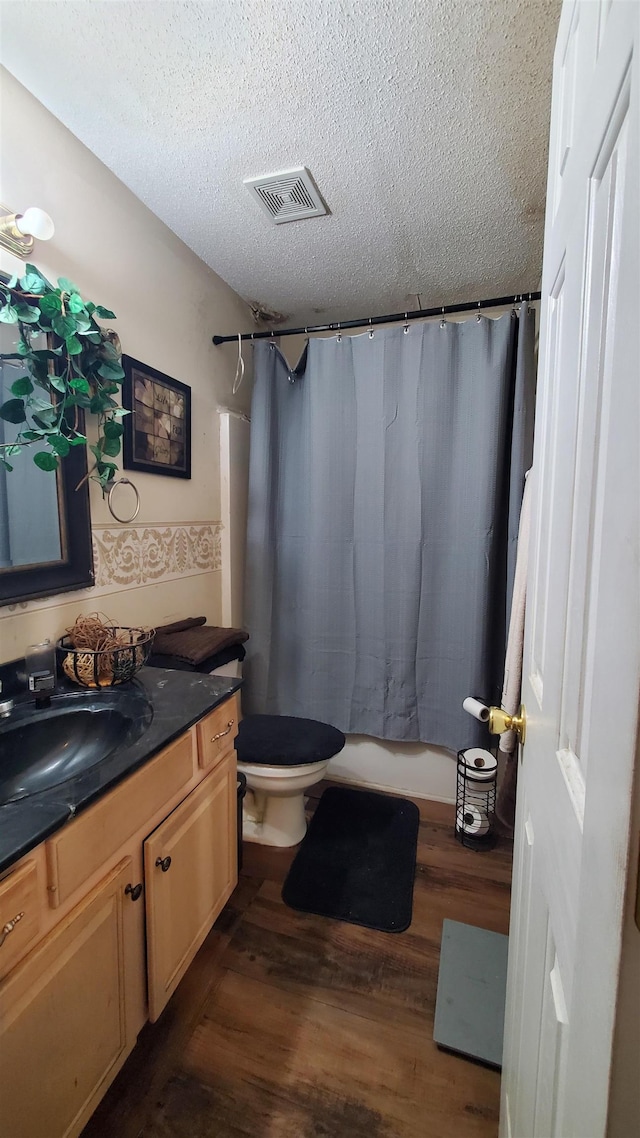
<point x="178" y="700"/>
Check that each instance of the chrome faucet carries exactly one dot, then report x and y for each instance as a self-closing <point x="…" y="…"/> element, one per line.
<point x="6" y="705"/>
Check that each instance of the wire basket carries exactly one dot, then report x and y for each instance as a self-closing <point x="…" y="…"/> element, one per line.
<point x="106" y="667"/>
<point x="476" y="798"/>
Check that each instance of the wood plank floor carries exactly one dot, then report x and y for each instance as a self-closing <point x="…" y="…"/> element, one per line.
<point x="294" y="1026"/>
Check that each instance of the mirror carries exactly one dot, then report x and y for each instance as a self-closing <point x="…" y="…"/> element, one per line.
<point x="45" y="526"/>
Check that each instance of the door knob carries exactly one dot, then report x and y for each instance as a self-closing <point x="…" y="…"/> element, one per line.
<point x="499" y="722"/>
<point x="135" y="891"/>
<point x="164" y="863"/>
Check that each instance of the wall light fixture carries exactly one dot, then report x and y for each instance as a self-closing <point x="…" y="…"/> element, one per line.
<point x="17" y="230"/>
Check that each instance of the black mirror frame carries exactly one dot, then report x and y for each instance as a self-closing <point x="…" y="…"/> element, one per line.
<point x="76" y="570"/>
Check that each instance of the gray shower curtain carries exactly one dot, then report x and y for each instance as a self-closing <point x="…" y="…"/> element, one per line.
<point x="385" y="483"/>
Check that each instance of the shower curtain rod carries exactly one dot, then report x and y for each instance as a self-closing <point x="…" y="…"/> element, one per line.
<point x="396" y="317"/>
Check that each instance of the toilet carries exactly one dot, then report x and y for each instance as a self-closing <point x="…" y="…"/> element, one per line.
<point x="281" y="757"/>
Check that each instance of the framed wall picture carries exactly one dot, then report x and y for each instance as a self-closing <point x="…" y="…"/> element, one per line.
<point x="157" y="433"/>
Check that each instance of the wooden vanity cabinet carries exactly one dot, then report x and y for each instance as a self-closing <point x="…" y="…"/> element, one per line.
<point x="190" y="872"/>
<point x="74" y="993"/>
<point x="64" y="1017"/>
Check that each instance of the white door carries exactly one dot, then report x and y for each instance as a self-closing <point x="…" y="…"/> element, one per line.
<point x="581" y="669"/>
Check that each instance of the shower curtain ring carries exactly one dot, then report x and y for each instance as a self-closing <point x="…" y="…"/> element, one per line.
<point x="443" y="322"/>
<point x="478" y="317"/>
<point x="339" y="336"/>
<point x="406" y="323"/>
<point x="370" y="330"/>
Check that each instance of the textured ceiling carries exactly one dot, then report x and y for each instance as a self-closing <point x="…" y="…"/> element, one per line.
<point x="424" y="123"/>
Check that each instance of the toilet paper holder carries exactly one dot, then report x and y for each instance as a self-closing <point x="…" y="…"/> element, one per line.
<point x="476" y="798"/>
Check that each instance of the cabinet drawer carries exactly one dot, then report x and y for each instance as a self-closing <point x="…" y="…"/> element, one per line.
<point x="19" y="914"/>
<point x="216" y="733"/>
<point x="79" y="850"/>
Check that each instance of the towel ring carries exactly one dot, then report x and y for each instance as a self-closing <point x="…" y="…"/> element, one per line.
<point x="123" y="482"/>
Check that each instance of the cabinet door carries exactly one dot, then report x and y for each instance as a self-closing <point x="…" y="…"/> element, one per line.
<point x="63" y="1017"/>
<point x="190" y="865"/>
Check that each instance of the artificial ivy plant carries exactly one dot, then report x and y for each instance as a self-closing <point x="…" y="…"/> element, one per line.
<point x="80" y="368"/>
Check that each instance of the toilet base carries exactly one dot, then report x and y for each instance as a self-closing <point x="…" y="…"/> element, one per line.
<point x="274" y="820"/>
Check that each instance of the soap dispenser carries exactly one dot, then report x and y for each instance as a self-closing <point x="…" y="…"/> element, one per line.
<point x="40" y="668"/>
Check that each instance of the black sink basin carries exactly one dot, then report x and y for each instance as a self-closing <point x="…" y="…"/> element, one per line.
<point x="42" y="748"/>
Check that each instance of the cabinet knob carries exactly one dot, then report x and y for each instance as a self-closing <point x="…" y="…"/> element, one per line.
<point x="164" y="863"/>
<point x="9" y="927"/>
<point x="134" y="890"/>
<point x="221" y="734"/>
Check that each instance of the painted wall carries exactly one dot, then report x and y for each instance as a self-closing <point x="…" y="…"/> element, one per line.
<point x="168" y="305"/>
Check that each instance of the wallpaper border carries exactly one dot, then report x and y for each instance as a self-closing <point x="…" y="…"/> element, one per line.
<point x="131" y="557"/>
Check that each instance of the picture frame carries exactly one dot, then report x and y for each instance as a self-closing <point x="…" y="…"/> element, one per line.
<point x="157" y="433"/>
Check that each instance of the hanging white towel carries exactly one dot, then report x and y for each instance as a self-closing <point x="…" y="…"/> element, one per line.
<point x="515" y="640"/>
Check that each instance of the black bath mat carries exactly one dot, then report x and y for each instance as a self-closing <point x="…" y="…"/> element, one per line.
<point x="358" y="860"/>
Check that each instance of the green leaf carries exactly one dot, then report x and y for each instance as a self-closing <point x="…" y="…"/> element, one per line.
<point x="13" y="411"/>
<point x="109" y="351"/>
<point x="76" y="303"/>
<point x="104" y="313"/>
<point x="51" y="304"/>
<point x="36" y="272"/>
<point x="45" y="460"/>
<point x="80" y="384"/>
<point x="90" y="307"/>
<point x="22" y="386"/>
<point x="9" y="314"/>
<point x="106" y="471"/>
<point x="111" y="447"/>
<point x="78" y="400"/>
<point x="64" y="326"/>
<point x="120" y="412"/>
<point x="57" y="382"/>
<point x="60" y="444"/>
<point x="12" y="282"/>
<point x="113" y="430"/>
<point x="13" y="450"/>
<point x="39" y="405"/>
<point x="66" y="285"/>
<point x="5" y="465"/>
<point x="23" y="348"/>
<point x="47" y="353"/>
<point x="74" y="347"/>
<point x="110" y="370"/>
<point x="28" y="313"/>
<point x="32" y="281"/>
<point x="78" y="441"/>
<point x="32" y="436"/>
<point x="44" y="418"/>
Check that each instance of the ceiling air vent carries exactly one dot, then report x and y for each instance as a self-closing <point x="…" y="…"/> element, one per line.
<point x="288" y="196"/>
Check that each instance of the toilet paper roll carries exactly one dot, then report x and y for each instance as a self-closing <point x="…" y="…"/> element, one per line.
<point x="480" y="765"/>
<point x="472" y="820"/>
<point x="476" y="708"/>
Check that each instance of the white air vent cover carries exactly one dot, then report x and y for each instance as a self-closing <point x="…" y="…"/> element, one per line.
<point x="289" y="196"/>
